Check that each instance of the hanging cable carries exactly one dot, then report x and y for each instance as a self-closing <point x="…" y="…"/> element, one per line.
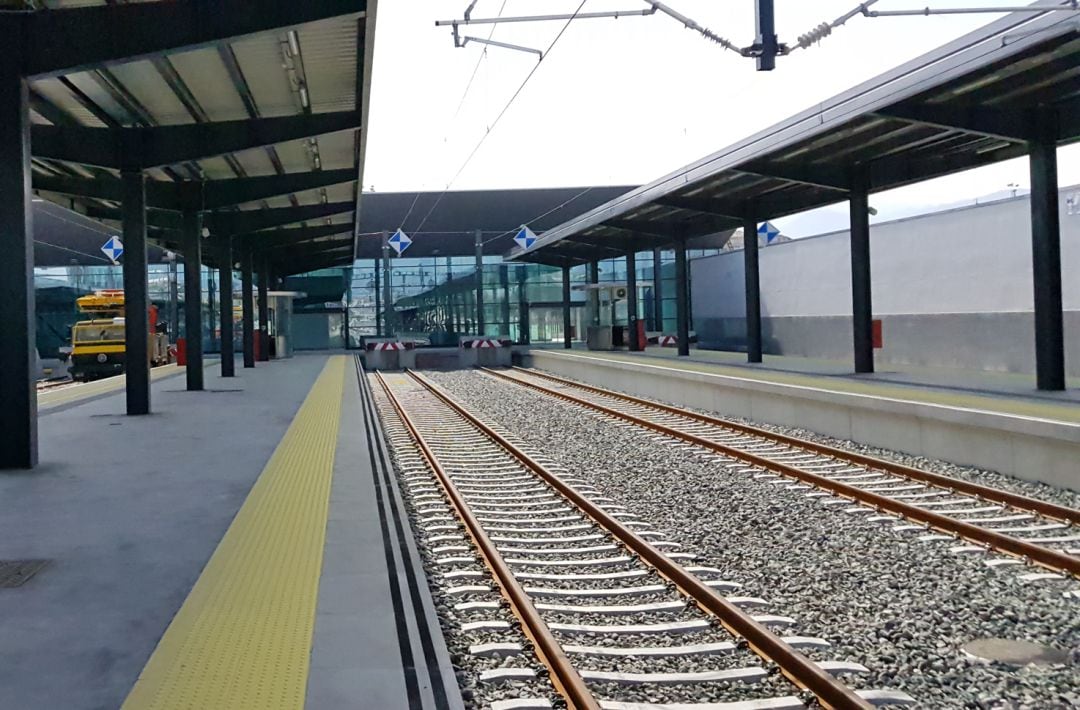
<point x="464" y="94"/>
<point x="501" y="114"/>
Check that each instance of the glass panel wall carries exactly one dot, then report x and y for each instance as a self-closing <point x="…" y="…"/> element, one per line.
<point x="57" y="289"/>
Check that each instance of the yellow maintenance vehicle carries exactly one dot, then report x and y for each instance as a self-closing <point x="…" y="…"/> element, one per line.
<point x="97" y="346"/>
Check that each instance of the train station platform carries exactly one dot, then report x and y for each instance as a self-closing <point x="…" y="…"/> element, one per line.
<point x="241" y="547"/>
<point x="996" y="421"/>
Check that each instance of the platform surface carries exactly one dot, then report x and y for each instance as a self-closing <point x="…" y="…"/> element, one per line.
<point x="224" y="551"/>
<point x="1005" y="393"/>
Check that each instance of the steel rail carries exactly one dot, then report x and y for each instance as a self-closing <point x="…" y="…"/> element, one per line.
<point x="799" y="669"/>
<point x="1032" y="505"/>
<point x="1043" y="556"/>
<point x="567" y="681"/>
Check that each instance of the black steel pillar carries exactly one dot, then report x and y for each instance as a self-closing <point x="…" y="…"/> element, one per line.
<point x="174" y="299"/>
<point x="479" y="242"/>
<point x="504" y="281"/>
<point x="766" y="35"/>
<point x="682" y="298"/>
<point x="566" y="307"/>
<point x="247" y="303"/>
<point x="524" y="335"/>
<point x="658" y="290"/>
<point x="18" y="363"/>
<point x="264" y="309"/>
<point x="210" y="286"/>
<point x="225" y="277"/>
<point x="753" y="290"/>
<point x="378" y="301"/>
<point x="389" y="319"/>
<point x="137" y="327"/>
<point x="631" y="299"/>
<point x="193" y="329"/>
<point x="592" y="296"/>
<point x="861" y="307"/>
<point x="1046" y="255"/>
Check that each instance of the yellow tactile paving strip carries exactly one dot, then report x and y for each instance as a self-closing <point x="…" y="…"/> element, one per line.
<point x="75" y="392"/>
<point x="1065" y="411"/>
<point x="242" y="639"/>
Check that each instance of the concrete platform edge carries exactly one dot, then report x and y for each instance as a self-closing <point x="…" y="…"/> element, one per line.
<point x="439" y="684"/>
<point x="1025" y="447"/>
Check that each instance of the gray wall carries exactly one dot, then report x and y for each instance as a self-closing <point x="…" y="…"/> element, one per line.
<point x="952" y="289"/>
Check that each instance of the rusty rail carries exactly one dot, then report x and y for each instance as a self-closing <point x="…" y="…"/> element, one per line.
<point x="1032" y="505"/>
<point x="564" y="676"/>
<point x="831" y="692"/>
<point x="1044" y="556"/>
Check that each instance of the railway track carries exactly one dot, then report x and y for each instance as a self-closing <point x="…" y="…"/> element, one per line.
<point x="1026" y="530"/>
<point x="610" y="609"/>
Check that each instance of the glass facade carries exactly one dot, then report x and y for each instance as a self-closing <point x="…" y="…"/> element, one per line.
<point x="58" y="288"/>
<point x="434" y="298"/>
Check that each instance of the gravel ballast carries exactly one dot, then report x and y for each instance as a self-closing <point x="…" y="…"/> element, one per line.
<point x="901" y="606"/>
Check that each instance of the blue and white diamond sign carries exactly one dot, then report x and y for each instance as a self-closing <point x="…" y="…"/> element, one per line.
<point x="113" y="248"/>
<point x="769" y="231"/>
<point x="399" y="242"/>
<point x="525" y="237"/>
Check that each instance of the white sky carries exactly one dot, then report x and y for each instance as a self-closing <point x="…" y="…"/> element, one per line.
<point x="625" y="101"/>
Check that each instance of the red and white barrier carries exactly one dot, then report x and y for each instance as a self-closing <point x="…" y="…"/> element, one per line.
<point x="667" y="341"/>
<point x="386" y="346"/>
<point x="479" y="343"/>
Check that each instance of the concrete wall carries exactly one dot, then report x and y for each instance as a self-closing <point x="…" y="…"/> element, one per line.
<point x="952" y="289"/>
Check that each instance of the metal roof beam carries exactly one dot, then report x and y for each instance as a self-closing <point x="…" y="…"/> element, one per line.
<point x="707" y="205"/>
<point x="297" y="235"/>
<point x="142" y="147"/>
<point x="306" y="250"/>
<point x="651" y="228"/>
<point x="223" y="193"/>
<point x="244" y="222"/>
<point x="73" y="39"/>
<point x="163" y="195"/>
<point x="617" y="247"/>
<point x="824" y="178"/>
<point x="980" y="120"/>
<point x="186" y="195"/>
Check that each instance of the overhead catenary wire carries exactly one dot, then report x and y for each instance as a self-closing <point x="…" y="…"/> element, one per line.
<point x="464" y="94"/>
<point x="502" y="113"/>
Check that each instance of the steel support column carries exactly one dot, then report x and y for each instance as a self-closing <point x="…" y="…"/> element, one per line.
<point x="504" y="281"/>
<point x="225" y="277"/>
<point x="18" y="366"/>
<point x="174" y="298"/>
<point x="389" y="321"/>
<point x="247" y="303"/>
<point x="631" y="300"/>
<point x="193" y="329"/>
<point x="524" y="336"/>
<point x="378" y="300"/>
<point x="136" y="301"/>
<point x="658" y="291"/>
<point x="1046" y="255"/>
<point x="566" y="307"/>
<point x="861" y="308"/>
<point x="264" y="309"/>
<point x="592" y="296"/>
<point x="753" y="291"/>
<point x="682" y="298"/>
<point x="479" y="242"/>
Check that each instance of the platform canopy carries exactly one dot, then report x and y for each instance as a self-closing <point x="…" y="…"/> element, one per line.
<point x="445" y="223"/>
<point x="980" y="99"/>
<point x="251" y="112"/>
